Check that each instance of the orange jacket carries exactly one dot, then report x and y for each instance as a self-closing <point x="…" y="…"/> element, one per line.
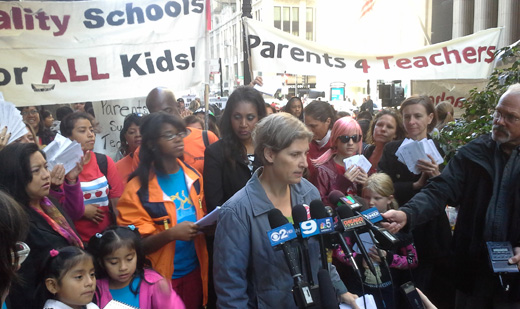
<point x="146" y="208"/>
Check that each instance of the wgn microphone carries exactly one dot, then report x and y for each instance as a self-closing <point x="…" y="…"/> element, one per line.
<point x="327" y="292"/>
<point x="307" y="228"/>
<point x="281" y="234"/>
<point x="385" y="239"/>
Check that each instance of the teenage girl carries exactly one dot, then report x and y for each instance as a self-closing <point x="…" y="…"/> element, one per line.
<point x="120" y="266"/>
<point x="69" y="279"/>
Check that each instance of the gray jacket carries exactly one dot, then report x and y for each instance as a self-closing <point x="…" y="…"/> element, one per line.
<point x="248" y="272"/>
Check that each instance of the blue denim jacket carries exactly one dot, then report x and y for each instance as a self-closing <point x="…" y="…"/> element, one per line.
<point x="248" y="272"/>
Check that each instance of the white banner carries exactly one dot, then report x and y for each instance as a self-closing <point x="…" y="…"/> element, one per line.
<point x="452" y="91"/>
<point x="65" y="52"/>
<point x="469" y="57"/>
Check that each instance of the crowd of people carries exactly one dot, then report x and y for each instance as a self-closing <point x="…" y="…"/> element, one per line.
<point x="125" y="228"/>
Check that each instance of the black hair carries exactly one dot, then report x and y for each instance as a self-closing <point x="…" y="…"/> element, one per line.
<point x="267" y="105"/>
<point x="129" y="120"/>
<point x="68" y="123"/>
<point x="57" y="263"/>
<point x="62" y="112"/>
<point x="150" y="154"/>
<point x="44" y="114"/>
<point x="113" y="238"/>
<point x="15" y="170"/>
<point x="287" y="107"/>
<point x="321" y="110"/>
<point x="231" y="142"/>
<point x="14" y="225"/>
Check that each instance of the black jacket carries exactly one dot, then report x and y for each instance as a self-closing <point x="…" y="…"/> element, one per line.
<point x="41" y="238"/>
<point x="468" y="181"/>
<point x="433" y="238"/>
<point x="221" y="180"/>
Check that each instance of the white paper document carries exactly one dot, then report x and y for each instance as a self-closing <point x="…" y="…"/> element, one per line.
<point x="63" y="151"/>
<point x="209" y="219"/>
<point x="371" y="303"/>
<point x="358" y="160"/>
<point x="411" y="151"/>
<point x="11" y="118"/>
<point x="270" y="84"/>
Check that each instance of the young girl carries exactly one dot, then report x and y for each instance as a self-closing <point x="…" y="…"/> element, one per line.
<point x="69" y="279"/>
<point x="346" y="141"/>
<point x="120" y="266"/>
<point x="378" y="192"/>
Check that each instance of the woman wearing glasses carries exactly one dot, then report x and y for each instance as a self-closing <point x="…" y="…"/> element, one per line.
<point x="163" y="199"/>
<point x="346" y="140"/>
<point x="24" y="175"/>
<point x="31" y="116"/>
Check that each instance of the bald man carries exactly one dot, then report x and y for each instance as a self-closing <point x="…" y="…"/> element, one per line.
<point x="162" y="99"/>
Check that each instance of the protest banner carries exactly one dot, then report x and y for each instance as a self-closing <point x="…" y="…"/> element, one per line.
<point x="76" y="51"/>
<point x="110" y="116"/>
<point x="469" y="57"/>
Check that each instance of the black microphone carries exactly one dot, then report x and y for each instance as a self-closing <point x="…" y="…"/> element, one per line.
<point x="299" y="214"/>
<point x="345" y="213"/>
<point x="281" y="234"/>
<point x="317" y="210"/>
<point x="385" y="239"/>
<point x="328" y="297"/>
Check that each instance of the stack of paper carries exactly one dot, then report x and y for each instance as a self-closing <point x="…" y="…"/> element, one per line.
<point x="10" y="116"/>
<point x="410" y="151"/>
<point x="360" y="302"/>
<point x="63" y="151"/>
<point x="114" y="304"/>
<point x="357" y="160"/>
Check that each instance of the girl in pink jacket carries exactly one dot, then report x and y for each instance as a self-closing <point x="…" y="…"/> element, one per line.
<point x="121" y="273"/>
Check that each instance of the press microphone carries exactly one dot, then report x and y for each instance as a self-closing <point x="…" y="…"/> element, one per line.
<point x="347" y="215"/>
<point x="307" y="228"/>
<point x="328" y="297"/>
<point x="385" y="239"/>
<point x="325" y="225"/>
<point x="281" y="233"/>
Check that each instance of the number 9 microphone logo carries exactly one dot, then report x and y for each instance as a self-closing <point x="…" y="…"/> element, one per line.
<point x="308" y="227"/>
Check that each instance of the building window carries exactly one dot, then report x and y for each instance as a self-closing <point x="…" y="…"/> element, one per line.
<point x="287" y="19"/>
<point x="277" y="17"/>
<point x="295" y="22"/>
<point x="309" y="25"/>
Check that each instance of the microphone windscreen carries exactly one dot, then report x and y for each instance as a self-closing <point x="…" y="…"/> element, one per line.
<point x="330" y="211"/>
<point x="334" y="196"/>
<point x="299" y="214"/>
<point x="361" y="201"/>
<point x="344" y="212"/>
<point x="276" y="218"/>
<point x="317" y="210"/>
<point x="327" y="291"/>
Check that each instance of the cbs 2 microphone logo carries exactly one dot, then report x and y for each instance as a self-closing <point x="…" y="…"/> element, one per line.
<point x="309" y="228"/>
<point x="281" y="234"/>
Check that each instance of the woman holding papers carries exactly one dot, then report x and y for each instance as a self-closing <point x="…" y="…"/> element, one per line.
<point x="163" y="199"/>
<point x="249" y="273"/>
<point x="386" y="126"/>
<point x="100" y="181"/>
<point x="331" y="173"/>
<point x="24" y="175"/>
<point x="433" y="238"/>
<point x="31" y="115"/>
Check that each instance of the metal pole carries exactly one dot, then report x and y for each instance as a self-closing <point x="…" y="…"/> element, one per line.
<point x="221" y="83"/>
<point x="246" y="12"/>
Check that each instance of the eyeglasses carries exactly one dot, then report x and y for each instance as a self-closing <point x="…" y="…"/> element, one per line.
<point x="171" y="136"/>
<point x="32" y="112"/>
<point x="345" y="138"/>
<point x="22" y="251"/>
<point x="509" y="118"/>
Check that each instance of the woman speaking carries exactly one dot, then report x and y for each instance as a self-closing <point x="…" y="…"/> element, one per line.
<point x="249" y="273"/>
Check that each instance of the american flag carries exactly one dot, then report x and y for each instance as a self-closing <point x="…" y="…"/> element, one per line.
<point x="367" y="7"/>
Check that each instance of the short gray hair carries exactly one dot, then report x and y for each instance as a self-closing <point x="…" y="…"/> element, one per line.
<point x="277" y="132"/>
